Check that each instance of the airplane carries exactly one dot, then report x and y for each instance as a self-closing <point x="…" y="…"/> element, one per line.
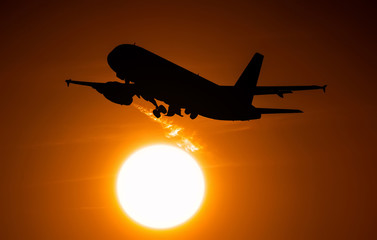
<point x="152" y="77"/>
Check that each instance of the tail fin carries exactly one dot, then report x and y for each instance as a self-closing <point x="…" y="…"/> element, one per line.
<point x="249" y="78"/>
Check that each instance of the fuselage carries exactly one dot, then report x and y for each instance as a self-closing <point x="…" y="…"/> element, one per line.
<point x="156" y="77"/>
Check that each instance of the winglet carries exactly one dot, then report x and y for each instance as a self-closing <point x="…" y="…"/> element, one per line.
<point x="68" y="82"/>
<point x="324" y="88"/>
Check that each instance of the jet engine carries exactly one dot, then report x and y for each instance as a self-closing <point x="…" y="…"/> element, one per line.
<point x="117" y="92"/>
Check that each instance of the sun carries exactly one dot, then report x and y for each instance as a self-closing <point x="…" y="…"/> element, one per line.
<point x="160" y="186"/>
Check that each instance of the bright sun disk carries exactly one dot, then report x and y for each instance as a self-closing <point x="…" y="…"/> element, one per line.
<point x="160" y="186"/>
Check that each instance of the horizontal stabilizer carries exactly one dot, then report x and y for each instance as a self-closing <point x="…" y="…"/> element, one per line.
<point x="277" y="110"/>
<point x="281" y="90"/>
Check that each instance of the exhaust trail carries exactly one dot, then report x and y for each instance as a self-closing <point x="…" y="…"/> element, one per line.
<point x="172" y="131"/>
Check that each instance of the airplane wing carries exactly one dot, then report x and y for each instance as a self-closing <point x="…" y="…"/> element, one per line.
<point x="277" y="110"/>
<point x="280" y="90"/>
<point x="116" y="92"/>
<point x="91" y="84"/>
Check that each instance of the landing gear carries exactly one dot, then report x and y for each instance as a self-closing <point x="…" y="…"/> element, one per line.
<point x="159" y="109"/>
<point x="174" y="110"/>
<point x="156" y="113"/>
<point x="162" y="109"/>
<point x="193" y="115"/>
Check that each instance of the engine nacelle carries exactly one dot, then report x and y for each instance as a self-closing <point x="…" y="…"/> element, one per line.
<point x="117" y="92"/>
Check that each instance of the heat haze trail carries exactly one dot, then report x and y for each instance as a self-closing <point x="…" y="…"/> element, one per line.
<point x="172" y="131"/>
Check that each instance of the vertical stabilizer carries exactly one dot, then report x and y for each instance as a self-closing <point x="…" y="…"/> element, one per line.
<point x="249" y="78"/>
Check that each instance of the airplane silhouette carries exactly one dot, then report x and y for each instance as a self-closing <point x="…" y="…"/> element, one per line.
<point x="152" y="77"/>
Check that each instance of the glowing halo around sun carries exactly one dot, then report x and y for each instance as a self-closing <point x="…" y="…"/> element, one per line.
<point x="160" y="186"/>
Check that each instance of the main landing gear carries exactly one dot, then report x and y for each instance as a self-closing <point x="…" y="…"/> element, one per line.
<point x="174" y="110"/>
<point x="192" y="115"/>
<point x="160" y="109"/>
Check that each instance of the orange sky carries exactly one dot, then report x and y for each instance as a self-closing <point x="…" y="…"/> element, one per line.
<point x="289" y="176"/>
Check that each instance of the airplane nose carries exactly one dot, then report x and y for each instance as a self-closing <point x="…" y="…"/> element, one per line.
<point x="113" y="59"/>
<point x="119" y="58"/>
